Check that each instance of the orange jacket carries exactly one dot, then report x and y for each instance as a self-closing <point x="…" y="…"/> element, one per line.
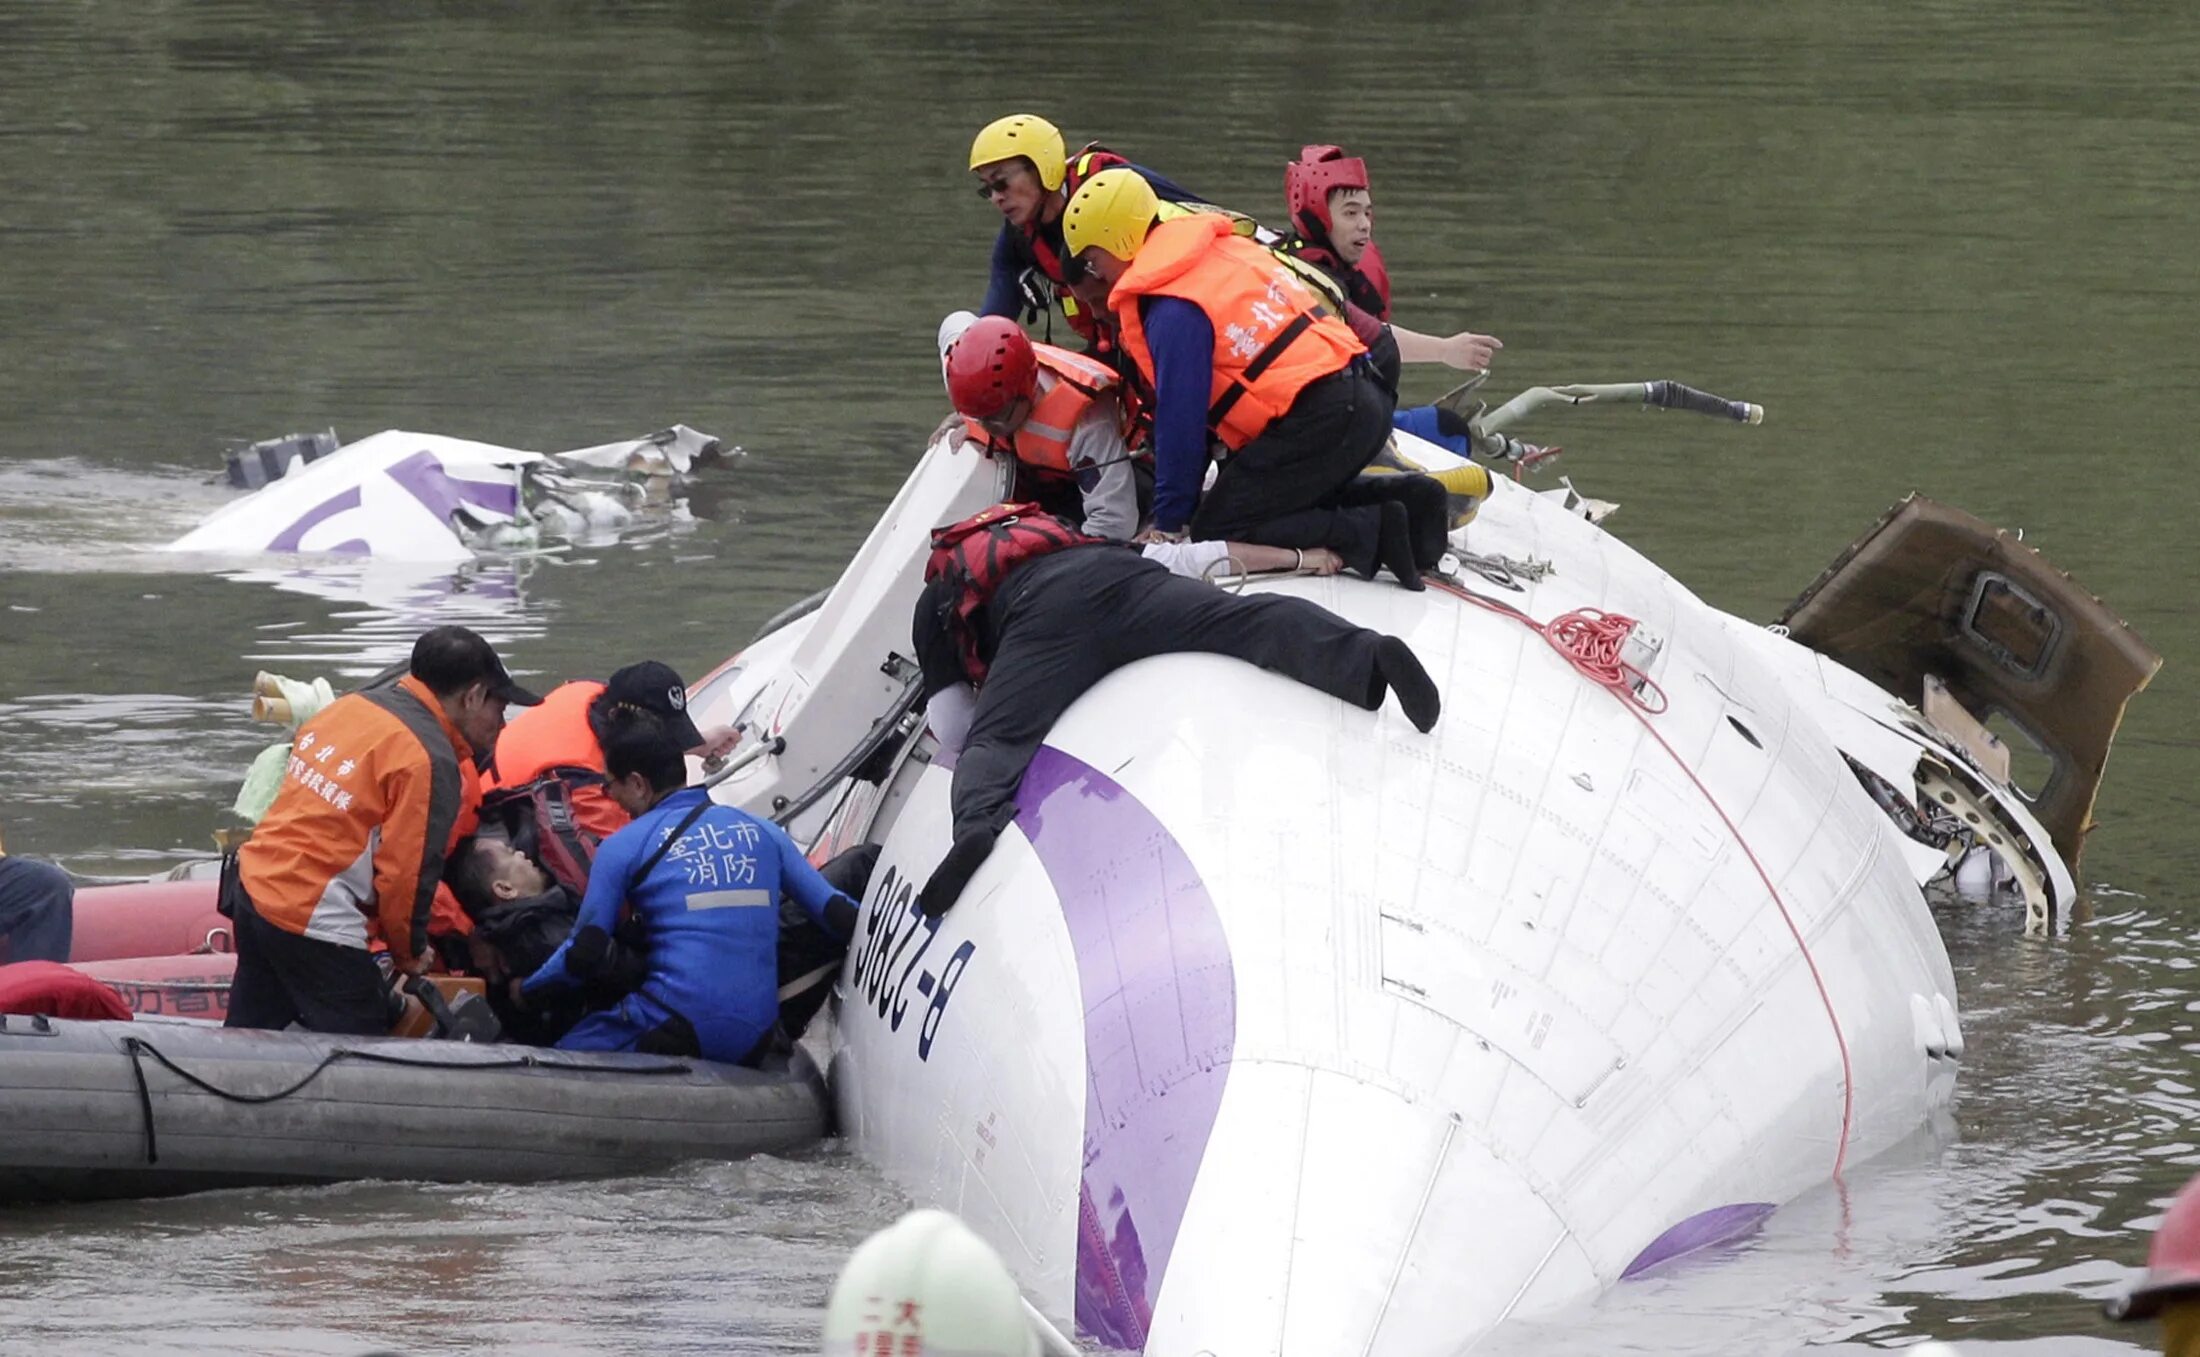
<point x="557" y="735"/>
<point x="363" y="820"/>
<point x="1069" y="383"/>
<point x="1273" y="336"/>
<point x="446" y="915"/>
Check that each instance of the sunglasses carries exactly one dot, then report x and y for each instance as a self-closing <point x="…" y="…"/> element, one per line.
<point x="989" y="187"/>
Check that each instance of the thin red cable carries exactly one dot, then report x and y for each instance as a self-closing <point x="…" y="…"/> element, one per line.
<point x="1592" y="641"/>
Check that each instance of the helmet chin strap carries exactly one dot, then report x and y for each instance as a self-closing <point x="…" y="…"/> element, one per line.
<point x="1315" y="232"/>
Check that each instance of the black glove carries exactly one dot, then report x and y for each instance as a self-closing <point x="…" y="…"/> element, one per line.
<point x="590" y="953"/>
<point x="955" y="870"/>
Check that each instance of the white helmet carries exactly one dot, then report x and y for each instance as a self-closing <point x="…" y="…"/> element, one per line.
<point x="951" y="329"/>
<point x="926" y="1277"/>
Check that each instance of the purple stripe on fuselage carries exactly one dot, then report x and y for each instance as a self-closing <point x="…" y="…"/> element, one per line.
<point x="289" y="538"/>
<point x="1160" y="1003"/>
<point x="1719" y="1225"/>
<point x="426" y="479"/>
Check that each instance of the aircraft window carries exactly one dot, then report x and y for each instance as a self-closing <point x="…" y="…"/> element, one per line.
<point x="2016" y="629"/>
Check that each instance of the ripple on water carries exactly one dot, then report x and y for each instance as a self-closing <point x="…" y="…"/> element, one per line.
<point x="709" y="1258"/>
<point x="73" y="516"/>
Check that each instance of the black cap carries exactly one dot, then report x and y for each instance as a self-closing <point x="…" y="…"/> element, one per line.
<point x="447" y="659"/>
<point x="657" y="689"/>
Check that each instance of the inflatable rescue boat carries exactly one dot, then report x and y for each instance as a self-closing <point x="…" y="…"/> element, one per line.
<point x="135" y="1109"/>
<point x="175" y="1103"/>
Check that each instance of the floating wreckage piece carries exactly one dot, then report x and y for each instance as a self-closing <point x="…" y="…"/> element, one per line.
<point x="432" y="498"/>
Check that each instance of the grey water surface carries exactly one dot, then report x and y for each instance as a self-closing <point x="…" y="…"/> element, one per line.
<point x="1947" y="244"/>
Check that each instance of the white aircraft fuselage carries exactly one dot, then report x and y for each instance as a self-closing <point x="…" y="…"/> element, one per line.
<point x="1274" y="1025"/>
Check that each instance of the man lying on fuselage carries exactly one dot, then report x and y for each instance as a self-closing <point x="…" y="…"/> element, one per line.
<point x="705" y="882"/>
<point x="1021" y="615"/>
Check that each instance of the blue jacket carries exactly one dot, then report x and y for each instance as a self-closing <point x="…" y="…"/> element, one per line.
<point x="1182" y="342"/>
<point x="710" y="910"/>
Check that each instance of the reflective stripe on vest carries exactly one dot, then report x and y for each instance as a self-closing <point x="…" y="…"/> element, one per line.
<point x="1273" y="336"/>
<point x="444" y="781"/>
<point x="1317" y="276"/>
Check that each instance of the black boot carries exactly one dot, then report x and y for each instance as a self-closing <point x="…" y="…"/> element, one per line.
<point x="1428" y="509"/>
<point x="1409" y="683"/>
<point x="1396" y="549"/>
<point x="962" y="862"/>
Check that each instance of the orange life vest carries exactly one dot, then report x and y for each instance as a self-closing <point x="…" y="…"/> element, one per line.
<point x="1273" y="335"/>
<point x="556" y="739"/>
<point x="1043" y="440"/>
<point x="554" y="734"/>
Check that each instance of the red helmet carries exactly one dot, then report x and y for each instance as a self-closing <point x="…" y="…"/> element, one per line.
<point x="2173" y="1263"/>
<point x="990" y="368"/>
<point x="1309" y="180"/>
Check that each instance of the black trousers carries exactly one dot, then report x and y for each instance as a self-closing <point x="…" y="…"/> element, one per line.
<point x="37" y="911"/>
<point x="1072" y="618"/>
<point x="1428" y="508"/>
<point x="1284" y="488"/>
<point x="285" y="977"/>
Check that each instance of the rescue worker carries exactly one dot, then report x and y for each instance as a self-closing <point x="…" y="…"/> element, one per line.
<point x="519" y="915"/>
<point x="1333" y="213"/>
<point x="2170" y="1290"/>
<point x="563" y="739"/>
<point x="705" y="882"/>
<point x="1055" y="413"/>
<point x="1024" y="170"/>
<point x="359" y="830"/>
<point x="1237" y="347"/>
<point x="1057" y="416"/>
<point x="1022" y="614"/>
<point x="37" y="910"/>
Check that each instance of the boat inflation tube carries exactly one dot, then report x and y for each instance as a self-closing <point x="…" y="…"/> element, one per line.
<point x="927" y="1284"/>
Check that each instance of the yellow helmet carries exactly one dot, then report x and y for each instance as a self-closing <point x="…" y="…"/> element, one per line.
<point x="1026" y="135"/>
<point x="1113" y="210"/>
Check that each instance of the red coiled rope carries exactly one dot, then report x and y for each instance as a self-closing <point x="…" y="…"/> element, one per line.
<point x="1592" y="641"/>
